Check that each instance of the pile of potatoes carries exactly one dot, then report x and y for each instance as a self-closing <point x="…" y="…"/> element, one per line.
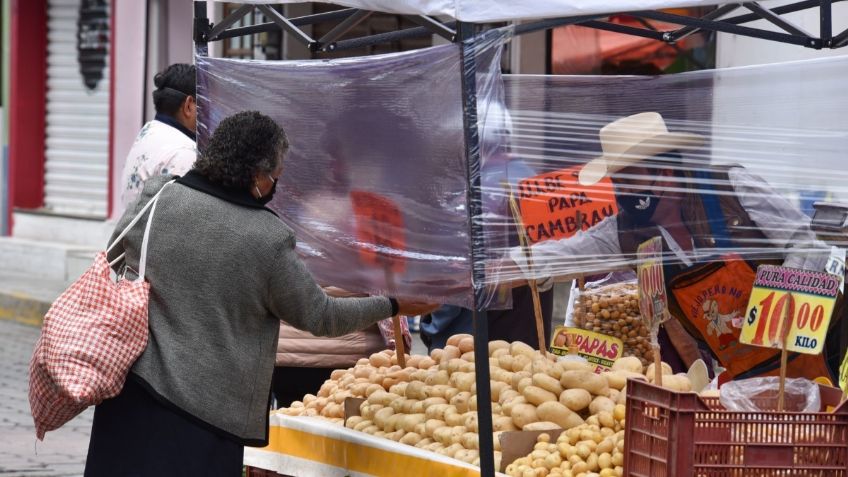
<point x="592" y="449"/>
<point x="613" y="310"/>
<point x="432" y="403"/>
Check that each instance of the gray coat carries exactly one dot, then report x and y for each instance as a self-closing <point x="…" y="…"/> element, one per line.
<point x="223" y="272"/>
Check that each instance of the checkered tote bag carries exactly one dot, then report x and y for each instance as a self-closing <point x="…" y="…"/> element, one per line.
<point x="91" y="336"/>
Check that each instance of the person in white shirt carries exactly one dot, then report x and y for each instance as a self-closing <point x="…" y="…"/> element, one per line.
<point x="166" y="145"/>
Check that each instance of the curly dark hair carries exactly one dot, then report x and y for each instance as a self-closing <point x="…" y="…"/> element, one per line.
<point x="243" y="145"/>
<point x="173" y="86"/>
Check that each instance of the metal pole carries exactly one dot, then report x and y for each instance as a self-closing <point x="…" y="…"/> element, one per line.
<point x="468" y="70"/>
<point x="202" y="28"/>
<point x="826" y="22"/>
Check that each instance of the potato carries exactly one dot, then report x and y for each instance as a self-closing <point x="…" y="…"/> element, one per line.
<point x="497" y="388"/>
<point x="416" y="390"/>
<point x="426" y="363"/>
<point x="523" y="414"/>
<point x="451" y="352"/>
<point x="497" y="345"/>
<point x="501" y="375"/>
<point x="452" y="366"/>
<point x="466" y="344"/>
<point x="521" y="363"/>
<point x="362" y="425"/>
<point x="455" y="339"/>
<point x="382" y="416"/>
<point x="575" y="399"/>
<point x="393" y="422"/>
<point x="518" y="376"/>
<point x="666" y="370"/>
<point x="507" y="395"/>
<point x="380" y="360"/>
<point x="436" y="391"/>
<point x="470" y="421"/>
<point x="677" y="382"/>
<point x="628" y="363"/>
<point x="587" y="380"/>
<point x="540" y="426"/>
<point x="519" y="348"/>
<point x="503" y="423"/>
<point x="600" y="404"/>
<point x="558" y="413"/>
<point x="410" y="421"/>
<point x="352" y="421"/>
<point x="363" y="362"/>
<point x="571" y="365"/>
<point x="472" y="403"/>
<point x="462" y="381"/>
<point x="548" y="383"/>
<point x="469" y="440"/>
<point x="436" y="355"/>
<point x="439" y="377"/>
<point x="454" y="418"/>
<point x="450" y="392"/>
<point x="461" y="401"/>
<point x="507" y="407"/>
<point x="522" y="385"/>
<point x="468" y="357"/>
<point x="536" y="395"/>
<point x="399" y="389"/>
<point x="622" y="397"/>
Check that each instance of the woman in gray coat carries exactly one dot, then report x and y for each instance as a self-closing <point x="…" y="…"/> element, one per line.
<point x="223" y="272"/>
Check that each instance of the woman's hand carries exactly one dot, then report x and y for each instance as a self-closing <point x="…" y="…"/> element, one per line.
<point x="410" y="308"/>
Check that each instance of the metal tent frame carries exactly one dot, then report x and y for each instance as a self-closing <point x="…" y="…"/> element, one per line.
<point x="463" y="33"/>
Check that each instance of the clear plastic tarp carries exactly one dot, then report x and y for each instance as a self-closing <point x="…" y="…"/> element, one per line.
<point x="720" y="171"/>
<point x="375" y="183"/>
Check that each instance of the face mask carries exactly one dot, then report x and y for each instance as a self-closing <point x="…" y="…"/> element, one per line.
<point x="264" y="199"/>
<point x="640" y="206"/>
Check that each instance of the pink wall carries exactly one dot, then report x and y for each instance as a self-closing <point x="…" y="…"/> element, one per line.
<point x="128" y="80"/>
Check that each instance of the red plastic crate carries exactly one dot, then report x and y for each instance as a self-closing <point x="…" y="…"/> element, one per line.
<point x="670" y="434"/>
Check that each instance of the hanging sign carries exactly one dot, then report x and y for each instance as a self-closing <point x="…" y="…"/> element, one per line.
<point x="92" y="40"/>
<point x="599" y="350"/>
<point x="810" y="298"/>
<point x="555" y="206"/>
<point x="653" y="301"/>
<point x="379" y="230"/>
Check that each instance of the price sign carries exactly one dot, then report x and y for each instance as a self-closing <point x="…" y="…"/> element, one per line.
<point x="809" y="297"/>
<point x="379" y="229"/>
<point x="599" y="350"/>
<point x="843" y="374"/>
<point x="653" y="301"/>
<point x="555" y="206"/>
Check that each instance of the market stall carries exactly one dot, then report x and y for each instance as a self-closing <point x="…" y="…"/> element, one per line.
<point x="469" y="256"/>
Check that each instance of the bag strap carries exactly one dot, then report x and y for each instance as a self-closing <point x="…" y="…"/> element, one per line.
<point x="151" y="204"/>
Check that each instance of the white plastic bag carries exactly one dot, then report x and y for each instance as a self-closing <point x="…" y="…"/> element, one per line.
<point x="761" y="394"/>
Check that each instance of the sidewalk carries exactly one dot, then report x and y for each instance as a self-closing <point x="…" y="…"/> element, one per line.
<point x="63" y="451"/>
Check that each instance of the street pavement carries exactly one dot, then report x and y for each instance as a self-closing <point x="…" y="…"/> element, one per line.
<point x="63" y="451"/>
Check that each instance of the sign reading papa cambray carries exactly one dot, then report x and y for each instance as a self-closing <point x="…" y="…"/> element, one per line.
<point x="555" y="206"/>
<point x="809" y="296"/>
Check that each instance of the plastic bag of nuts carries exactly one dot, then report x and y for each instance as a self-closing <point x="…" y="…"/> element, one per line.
<point x="611" y="307"/>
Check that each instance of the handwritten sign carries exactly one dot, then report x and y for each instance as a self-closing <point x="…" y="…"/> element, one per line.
<point x="599" y="350"/>
<point x="550" y="204"/>
<point x="653" y="300"/>
<point x="379" y="230"/>
<point x="810" y="298"/>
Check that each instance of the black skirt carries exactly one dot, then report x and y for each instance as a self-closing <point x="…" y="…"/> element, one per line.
<point x="135" y="435"/>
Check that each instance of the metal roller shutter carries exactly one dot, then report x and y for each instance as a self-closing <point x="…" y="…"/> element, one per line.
<point x="77" y="142"/>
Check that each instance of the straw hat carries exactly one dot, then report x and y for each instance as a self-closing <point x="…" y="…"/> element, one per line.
<point x="630" y="140"/>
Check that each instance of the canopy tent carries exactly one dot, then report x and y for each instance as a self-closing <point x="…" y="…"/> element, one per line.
<point x="466" y="19"/>
<point x="486" y="11"/>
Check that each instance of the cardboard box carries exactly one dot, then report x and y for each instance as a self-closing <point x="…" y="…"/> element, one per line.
<point x="351" y="407"/>
<point x="518" y="444"/>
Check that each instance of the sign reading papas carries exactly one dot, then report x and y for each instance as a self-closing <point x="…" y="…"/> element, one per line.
<point x="809" y="296"/>
<point x="653" y="301"/>
<point x="379" y="229"/>
<point x="599" y="350"/>
<point x="550" y="204"/>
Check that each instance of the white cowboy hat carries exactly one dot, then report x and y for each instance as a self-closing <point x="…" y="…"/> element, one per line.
<point x="632" y="139"/>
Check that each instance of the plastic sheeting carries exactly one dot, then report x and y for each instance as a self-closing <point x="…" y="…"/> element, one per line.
<point x="755" y="148"/>
<point x="506" y="10"/>
<point x="375" y="182"/>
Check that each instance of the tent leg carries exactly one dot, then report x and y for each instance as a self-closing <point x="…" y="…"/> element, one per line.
<point x="468" y="70"/>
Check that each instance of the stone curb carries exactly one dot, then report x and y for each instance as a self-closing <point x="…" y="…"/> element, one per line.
<point x="22" y="308"/>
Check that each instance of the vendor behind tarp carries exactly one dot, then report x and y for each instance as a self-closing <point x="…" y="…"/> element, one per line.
<point x="717" y="223"/>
